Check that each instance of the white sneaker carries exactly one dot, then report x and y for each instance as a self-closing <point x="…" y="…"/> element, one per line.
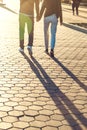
<point x="30" y="50"/>
<point x="21" y="50"/>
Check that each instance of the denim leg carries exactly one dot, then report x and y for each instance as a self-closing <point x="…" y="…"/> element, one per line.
<point x="54" y="23"/>
<point x="46" y="33"/>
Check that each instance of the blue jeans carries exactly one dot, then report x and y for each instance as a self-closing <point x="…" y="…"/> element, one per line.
<point x="52" y="19"/>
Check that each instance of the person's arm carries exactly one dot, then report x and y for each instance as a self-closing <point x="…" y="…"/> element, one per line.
<point x="42" y="9"/>
<point x="60" y="12"/>
<point x="61" y="16"/>
<point x="37" y="8"/>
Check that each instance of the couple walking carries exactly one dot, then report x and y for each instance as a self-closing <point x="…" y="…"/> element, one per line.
<point x="52" y="11"/>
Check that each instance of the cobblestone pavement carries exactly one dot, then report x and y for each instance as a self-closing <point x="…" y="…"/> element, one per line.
<point x="43" y="93"/>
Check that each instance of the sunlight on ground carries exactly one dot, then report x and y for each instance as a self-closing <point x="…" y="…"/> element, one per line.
<point x="10" y="5"/>
<point x="13" y="4"/>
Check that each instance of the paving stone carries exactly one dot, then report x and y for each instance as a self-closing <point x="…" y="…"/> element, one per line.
<point x="40" y="103"/>
<point x="1" y="104"/>
<point x="20" y="108"/>
<point x="49" y="128"/>
<point x="31" y="113"/>
<point x="21" y="95"/>
<point x="30" y="99"/>
<point x="5" y="108"/>
<point x="10" y="103"/>
<point x="5" y="126"/>
<point x="65" y="128"/>
<point x="53" y="123"/>
<point x="7" y="95"/>
<point x="38" y="124"/>
<point x="16" y="99"/>
<point x="25" y="103"/>
<point x="53" y="107"/>
<point x="3" y="99"/>
<point x="15" y="129"/>
<point x="26" y="118"/>
<point x="12" y="91"/>
<point x="21" y="124"/>
<point x="42" y="118"/>
<point x="35" y="107"/>
<point x="57" y="117"/>
<point x="16" y="113"/>
<point x="3" y="114"/>
<point x="46" y="112"/>
<point x="9" y="119"/>
<point x="32" y="128"/>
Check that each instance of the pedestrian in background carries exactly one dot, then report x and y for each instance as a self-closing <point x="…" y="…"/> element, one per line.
<point x="53" y="11"/>
<point x="26" y="16"/>
<point x="75" y="6"/>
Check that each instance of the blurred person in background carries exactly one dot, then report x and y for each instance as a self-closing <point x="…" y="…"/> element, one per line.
<point x="75" y="6"/>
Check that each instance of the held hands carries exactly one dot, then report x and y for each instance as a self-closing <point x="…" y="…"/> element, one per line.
<point x="38" y="18"/>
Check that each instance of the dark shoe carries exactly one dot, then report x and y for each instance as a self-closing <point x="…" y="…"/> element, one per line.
<point x="52" y="53"/>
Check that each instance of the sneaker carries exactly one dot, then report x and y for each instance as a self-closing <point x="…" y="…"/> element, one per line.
<point x="52" y="53"/>
<point x="21" y="50"/>
<point x="30" y="50"/>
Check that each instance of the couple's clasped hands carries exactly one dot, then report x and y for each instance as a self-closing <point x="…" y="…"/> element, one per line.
<point x="38" y="18"/>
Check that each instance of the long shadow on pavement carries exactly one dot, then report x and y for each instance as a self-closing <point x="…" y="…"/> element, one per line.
<point x="59" y="98"/>
<point x="75" y="28"/>
<point x="82" y="85"/>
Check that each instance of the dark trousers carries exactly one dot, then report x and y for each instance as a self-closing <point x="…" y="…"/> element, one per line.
<point x="23" y="20"/>
<point x="75" y="7"/>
